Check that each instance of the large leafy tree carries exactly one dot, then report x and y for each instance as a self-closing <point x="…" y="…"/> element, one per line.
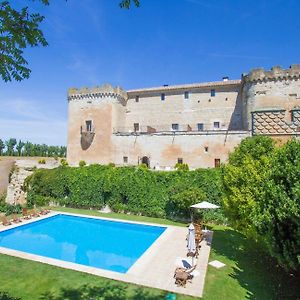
<point x="19" y="29"/>
<point x="262" y="196"/>
<point x="10" y="145"/>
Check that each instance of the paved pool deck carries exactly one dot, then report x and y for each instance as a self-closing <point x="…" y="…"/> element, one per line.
<point x="155" y="268"/>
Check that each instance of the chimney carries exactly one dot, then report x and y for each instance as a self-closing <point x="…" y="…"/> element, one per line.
<point x="225" y="78"/>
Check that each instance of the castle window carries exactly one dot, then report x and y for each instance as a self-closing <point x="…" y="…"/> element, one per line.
<point x="88" y="124"/>
<point x="186" y="95"/>
<point x="125" y="159"/>
<point x="180" y="160"/>
<point x="175" y="126"/>
<point x="137" y="98"/>
<point x="212" y="93"/>
<point x="200" y="126"/>
<point x="216" y="125"/>
<point x="217" y="162"/>
<point x="206" y="149"/>
<point x="136" y="127"/>
<point x="162" y="97"/>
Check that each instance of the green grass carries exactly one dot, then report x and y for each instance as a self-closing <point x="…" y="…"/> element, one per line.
<point x="248" y="274"/>
<point x="113" y="215"/>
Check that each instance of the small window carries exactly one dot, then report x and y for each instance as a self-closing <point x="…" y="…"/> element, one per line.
<point x="162" y="97"/>
<point x="88" y="125"/>
<point x="206" y="149"/>
<point x="200" y="126"/>
<point x="125" y="159"/>
<point x="180" y="160"/>
<point x="186" y="95"/>
<point x="217" y="163"/>
<point x="137" y="98"/>
<point x="216" y="125"/>
<point x="175" y="127"/>
<point x="136" y="127"/>
<point x="212" y="93"/>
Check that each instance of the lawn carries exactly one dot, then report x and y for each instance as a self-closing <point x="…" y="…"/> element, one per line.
<point x="248" y="274"/>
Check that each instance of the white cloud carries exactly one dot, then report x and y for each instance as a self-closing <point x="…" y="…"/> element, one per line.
<point x="31" y="120"/>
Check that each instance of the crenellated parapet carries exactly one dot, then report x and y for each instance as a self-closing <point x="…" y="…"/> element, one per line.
<point x="276" y="73"/>
<point x="98" y="92"/>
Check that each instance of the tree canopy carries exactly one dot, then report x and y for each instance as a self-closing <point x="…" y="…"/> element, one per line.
<point x="19" y="29"/>
<point x="262" y="196"/>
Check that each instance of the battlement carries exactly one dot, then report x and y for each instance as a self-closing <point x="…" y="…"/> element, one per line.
<point x="104" y="91"/>
<point x="276" y="73"/>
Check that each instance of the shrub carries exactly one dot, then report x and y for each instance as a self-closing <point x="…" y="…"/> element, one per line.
<point x="42" y="161"/>
<point x="143" y="166"/>
<point x="64" y="162"/>
<point x="124" y="189"/>
<point x="111" y="164"/>
<point x="82" y="163"/>
<point x="181" y="167"/>
<point x="6" y="296"/>
<point x="262" y="196"/>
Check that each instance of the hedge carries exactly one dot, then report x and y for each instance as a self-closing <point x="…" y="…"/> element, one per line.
<point x="126" y="189"/>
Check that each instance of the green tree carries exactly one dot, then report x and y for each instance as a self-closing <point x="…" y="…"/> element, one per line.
<point x="2" y="147"/>
<point x="19" y="29"/>
<point x="127" y="3"/>
<point x="19" y="147"/>
<point x="10" y="145"/>
<point x="262" y="196"/>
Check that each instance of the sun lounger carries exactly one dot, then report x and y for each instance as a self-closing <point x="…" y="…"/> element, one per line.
<point x="34" y="214"/>
<point x="5" y="222"/>
<point x="25" y="214"/>
<point x="16" y="219"/>
<point x="44" y="211"/>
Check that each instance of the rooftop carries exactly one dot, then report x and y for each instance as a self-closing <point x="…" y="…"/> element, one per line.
<point x="186" y="86"/>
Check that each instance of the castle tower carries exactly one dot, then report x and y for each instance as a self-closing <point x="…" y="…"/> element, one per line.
<point x="271" y="101"/>
<point x="92" y="115"/>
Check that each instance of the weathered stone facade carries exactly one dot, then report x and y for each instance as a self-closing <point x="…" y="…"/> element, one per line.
<point x="198" y="124"/>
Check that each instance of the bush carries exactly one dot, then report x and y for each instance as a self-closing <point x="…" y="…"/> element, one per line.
<point x="42" y="161"/>
<point x="111" y="164"/>
<point x="262" y="196"/>
<point x="181" y="167"/>
<point x="9" y="209"/>
<point x="6" y="296"/>
<point x="63" y="162"/>
<point x="82" y="163"/>
<point x="124" y="189"/>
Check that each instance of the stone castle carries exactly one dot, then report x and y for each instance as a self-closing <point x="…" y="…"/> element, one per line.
<point x="198" y="124"/>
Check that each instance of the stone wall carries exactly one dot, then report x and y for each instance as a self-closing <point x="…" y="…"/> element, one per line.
<point x="275" y="91"/>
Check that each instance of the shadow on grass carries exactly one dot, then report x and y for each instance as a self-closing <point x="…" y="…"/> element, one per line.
<point x="105" y="291"/>
<point x="255" y="271"/>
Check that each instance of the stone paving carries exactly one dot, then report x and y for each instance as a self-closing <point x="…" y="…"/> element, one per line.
<point x="155" y="268"/>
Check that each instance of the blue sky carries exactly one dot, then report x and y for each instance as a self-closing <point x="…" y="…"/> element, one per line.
<point x="92" y="42"/>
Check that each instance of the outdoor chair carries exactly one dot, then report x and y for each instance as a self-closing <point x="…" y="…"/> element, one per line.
<point x="25" y="214"/>
<point x="16" y="219"/>
<point x="183" y="275"/>
<point x="44" y="211"/>
<point x="34" y="213"/>
<point x="4" y="221"/>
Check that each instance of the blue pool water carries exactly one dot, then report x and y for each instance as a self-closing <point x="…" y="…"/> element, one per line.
<point x="97" y="243"/>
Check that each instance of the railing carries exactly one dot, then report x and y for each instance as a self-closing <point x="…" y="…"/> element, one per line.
<point x="84" y="129"/>
<point x="182" y="128"/>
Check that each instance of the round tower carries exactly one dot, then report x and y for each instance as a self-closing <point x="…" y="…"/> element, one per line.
<point x="92" y="116"/>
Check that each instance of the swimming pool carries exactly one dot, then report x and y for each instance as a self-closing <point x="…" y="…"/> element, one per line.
<point x="98" y="243"/>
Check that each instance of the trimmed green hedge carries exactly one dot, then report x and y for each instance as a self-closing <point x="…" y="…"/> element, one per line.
<point x="126" y="189"/>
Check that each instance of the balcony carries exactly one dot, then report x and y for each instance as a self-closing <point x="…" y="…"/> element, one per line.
<point x="168" y="130"/>
<point x="87" y="136"/>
